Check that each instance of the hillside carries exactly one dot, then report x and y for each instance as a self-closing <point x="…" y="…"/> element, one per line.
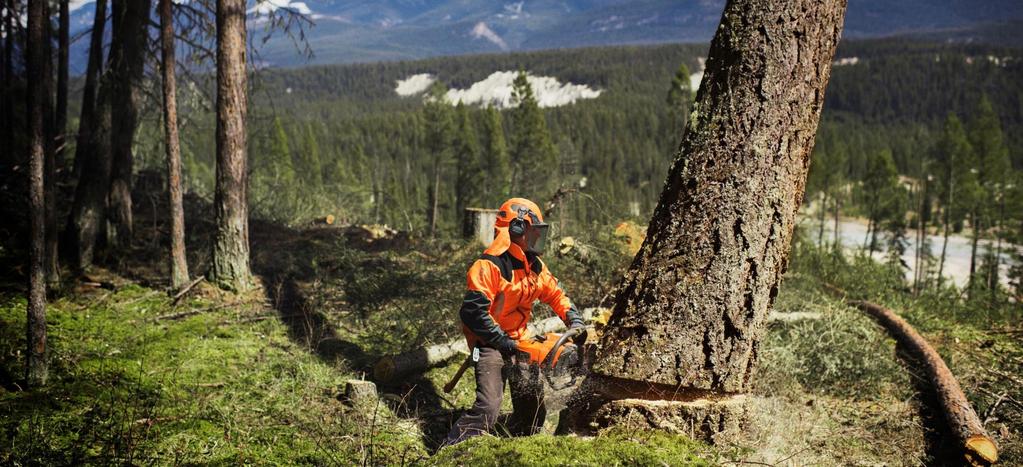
<point x="259" y="378"/>
<point x="347" y="31"/>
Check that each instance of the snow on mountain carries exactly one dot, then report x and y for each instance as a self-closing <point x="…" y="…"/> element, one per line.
<point x="415" y="84"/>
<point x="496" y="90"/>
<point x="482" y="31"/>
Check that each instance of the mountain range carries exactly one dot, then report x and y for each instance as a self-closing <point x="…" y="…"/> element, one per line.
<point x="345" y="31"/>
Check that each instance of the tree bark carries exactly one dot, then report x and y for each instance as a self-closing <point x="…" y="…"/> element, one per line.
<point x="693" y="306"/>
<point x="36" y="367"/>
<point x="85" y="145"/>
<point x="230" y="267"/>
<point x="50" y="135"/>
<point x="88" y="211"/>
<point x="178" y="264"/>
<point x="128" y="67"/>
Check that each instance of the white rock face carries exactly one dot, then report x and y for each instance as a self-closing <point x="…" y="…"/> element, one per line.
<point x="496" y="90"/>
<point x="415" y="84"/>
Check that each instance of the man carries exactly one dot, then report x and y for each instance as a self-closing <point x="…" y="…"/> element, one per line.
<point x="503" y="285"/>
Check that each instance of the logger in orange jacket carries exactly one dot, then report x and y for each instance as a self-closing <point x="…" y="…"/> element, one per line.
<point x="503" y="285"/>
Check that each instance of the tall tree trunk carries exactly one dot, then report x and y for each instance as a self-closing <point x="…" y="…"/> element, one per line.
<point x="50" y="135"/>
<point x="838" y="239"/>
<point x="434" y="200"/>
<point x="948" y="222"/>
<point x="63" y="43"/>
<point x="178" y="264"/>
<point x="85" y="145"/>
<point x="975" y="223"/>
<point x="823" y="217"/>
<point x="88" y="211"/>
<point x="692" y="309"/>
<point x="230" y="267"/>
<point x="128" y="68"/>
<point x="36" y="366"/>
<point x="8" y="75"/>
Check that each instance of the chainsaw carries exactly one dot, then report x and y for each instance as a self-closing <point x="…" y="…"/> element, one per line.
<point x="549" y="363"/>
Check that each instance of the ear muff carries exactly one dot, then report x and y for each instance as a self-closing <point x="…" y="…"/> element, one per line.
<point x="517" y="227"/>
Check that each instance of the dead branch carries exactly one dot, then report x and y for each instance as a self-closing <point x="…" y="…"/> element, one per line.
<point x="978" y="447"/>
<point x="184" y="290"/>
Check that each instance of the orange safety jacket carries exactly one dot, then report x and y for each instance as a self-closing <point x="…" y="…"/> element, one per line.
<point x="502" y="289"/>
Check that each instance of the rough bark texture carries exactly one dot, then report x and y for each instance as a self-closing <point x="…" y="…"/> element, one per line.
<point x="36" y="368"/>
<point x="92" y="155"/>
<point x="178" y="264"/>
<point x="978" y="447"/>
<point x="230" y="267"/>
<point x="692" y="309"/>
<point x="128" y="64"/>
<point x="85" y="144"/>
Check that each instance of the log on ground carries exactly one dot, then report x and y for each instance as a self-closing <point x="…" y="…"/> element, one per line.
<point x="978" y="447"/>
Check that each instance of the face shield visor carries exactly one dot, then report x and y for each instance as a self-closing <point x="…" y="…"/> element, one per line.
<point x="536" y="235"/>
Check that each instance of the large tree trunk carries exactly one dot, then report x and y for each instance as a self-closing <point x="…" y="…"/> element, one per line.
<point x="128" y="67"/>
<point x="231" y="244"/>
<point x="692" y="309"/>
<point x="178" y="264"/>
<point x="36" y="368"/>
<point x="93" y="155"/>
<point x="85" y="145"/>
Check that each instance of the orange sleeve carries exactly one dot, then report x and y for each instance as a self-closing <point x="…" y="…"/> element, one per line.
<point x="552" y="294"/>
<point x="484" y="277"/>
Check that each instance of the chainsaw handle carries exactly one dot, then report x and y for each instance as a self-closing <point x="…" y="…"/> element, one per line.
<point x="572" y="332"/>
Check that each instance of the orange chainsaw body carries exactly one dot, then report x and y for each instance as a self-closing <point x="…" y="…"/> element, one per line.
<point x="538" y="347"/>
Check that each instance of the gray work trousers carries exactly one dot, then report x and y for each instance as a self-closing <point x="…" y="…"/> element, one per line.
<point x="528" y="411"/>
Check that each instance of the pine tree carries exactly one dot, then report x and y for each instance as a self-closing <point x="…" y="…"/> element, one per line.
<point x="439" y="143"/>
<point x="311" y="167"/>
<point x="533" y="155"/>
<point x="496" y="164"/>
<point x="680" y="95"/>
<point x="470" y="176"/>
<point x="881" y="194"/>
<point x="957" y="178"/>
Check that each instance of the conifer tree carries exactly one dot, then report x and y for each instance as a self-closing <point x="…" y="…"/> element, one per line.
<point x="495" y="162"/>
<point x="470" y="177"/>
<point x="439" y="144"/>
<point x="958" y="180"/>
<point x="533" y="156"/>
<point x="680" y="94"/>
<point x="881" y="195"/>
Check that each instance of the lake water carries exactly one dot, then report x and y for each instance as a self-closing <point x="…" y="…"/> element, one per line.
<point x="852" y="233"/>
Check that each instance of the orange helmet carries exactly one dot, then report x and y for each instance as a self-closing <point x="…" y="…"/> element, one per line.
<point x="519" y="217"/>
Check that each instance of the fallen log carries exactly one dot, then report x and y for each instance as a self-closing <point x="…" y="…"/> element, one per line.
<point x="391" y="367"/>
<point x="978" y="447"/>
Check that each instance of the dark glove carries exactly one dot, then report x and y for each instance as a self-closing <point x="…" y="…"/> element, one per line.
<point x="580" y="338"/>
<point x="507" y="346"/>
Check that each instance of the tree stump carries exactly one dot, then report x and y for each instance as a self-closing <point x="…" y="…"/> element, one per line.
<point x="358" y="392"/>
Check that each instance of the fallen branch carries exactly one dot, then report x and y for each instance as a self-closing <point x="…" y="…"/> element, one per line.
<point x="979" y="448"/>
<point x="184" y="290"/>
<point x="393" y="366"/>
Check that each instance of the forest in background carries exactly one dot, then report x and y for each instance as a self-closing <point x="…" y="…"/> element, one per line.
<point x="339" y="140"/>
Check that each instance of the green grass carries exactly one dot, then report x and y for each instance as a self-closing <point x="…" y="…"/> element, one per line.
<point x="209" y="389"/>
<point x="612" y="448"/>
